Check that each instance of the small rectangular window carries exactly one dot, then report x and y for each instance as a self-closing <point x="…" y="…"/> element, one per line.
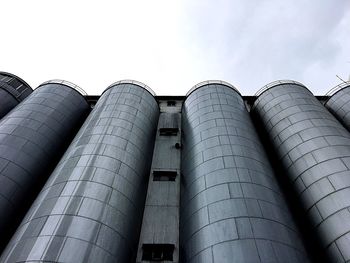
<point x="168" y="131"/>
<point x="157" y="252"/>
<point x="171" y="103"/>
<point x="164" y="175"/>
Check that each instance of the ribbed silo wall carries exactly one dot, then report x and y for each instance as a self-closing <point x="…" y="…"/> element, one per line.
<point x="339" y="105"/>
<point x="12" y="91"/>
<point x="33" y="137"/>
<point x="91" y="208"/>
<point x="232" y="209"/>
<point x="313" y="148"/>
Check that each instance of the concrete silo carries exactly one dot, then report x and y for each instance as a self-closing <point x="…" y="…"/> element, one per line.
<point x="339" y="103"/>
<point x="313" y="149"/>
<point x="33" y="137"/>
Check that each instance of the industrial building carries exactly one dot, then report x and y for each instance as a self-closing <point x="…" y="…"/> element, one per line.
<point x="212" y="177"/>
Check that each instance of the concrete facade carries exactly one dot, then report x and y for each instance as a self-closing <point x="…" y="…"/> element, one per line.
<point x="162" y="209"/>
<point x="209" y="177"/>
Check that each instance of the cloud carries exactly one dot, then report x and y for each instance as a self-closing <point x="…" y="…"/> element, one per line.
<point x="262" y="41"/>
<point x="173" y="45"/>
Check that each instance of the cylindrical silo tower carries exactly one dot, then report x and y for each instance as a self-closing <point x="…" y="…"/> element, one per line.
<point x="33" y="137"/>
<point x="339" y="103"/>
<point x="12" y="91"/>
<point x="91" y="208"/>
<point x="313" y="149"/>
<point x="232" y="209"/>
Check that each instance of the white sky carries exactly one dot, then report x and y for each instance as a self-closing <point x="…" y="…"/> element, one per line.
<point x="171" y="45"/>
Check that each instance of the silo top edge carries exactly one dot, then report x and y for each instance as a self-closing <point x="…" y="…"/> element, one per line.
<point x="338" y="88"/>
<point x="134" y="82"/>
<point x="67" y="84"/>
<point x="277" y="83"/>
<point x="209" y="82"/>
<point x="16" y="77"/>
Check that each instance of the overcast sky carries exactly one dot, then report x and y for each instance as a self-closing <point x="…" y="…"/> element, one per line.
<point x="171" y="45"/>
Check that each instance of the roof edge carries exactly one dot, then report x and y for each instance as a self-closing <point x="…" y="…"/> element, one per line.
<point x="277" y="83"/>
<point x="337" y="88"/>
<point x="16" y="77"/>
<point x="133" y="82"/>
<point x="65" y="83"/>
<point x="209" y="82"/>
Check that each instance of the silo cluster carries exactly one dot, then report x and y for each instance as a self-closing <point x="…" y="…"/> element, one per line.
<point x="90" y="209"/>
<point x="232" y="207"/>
<point x="210" y="177"/>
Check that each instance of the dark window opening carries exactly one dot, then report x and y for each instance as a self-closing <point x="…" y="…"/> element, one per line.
<point x="157" y="252"/>
<point x="171" y="103"/>
<point x="168" y="131"/>
<point x="164" y="175"/>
